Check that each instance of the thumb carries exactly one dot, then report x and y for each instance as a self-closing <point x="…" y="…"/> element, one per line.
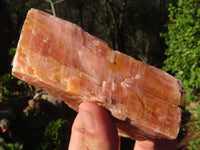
<point x="94" y="129"/>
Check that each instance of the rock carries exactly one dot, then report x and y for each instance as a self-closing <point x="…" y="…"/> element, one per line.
<point x="43" y="103"/>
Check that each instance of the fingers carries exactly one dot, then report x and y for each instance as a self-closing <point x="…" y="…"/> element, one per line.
<point x="77" y="136"/>
<point x="144" y="145"/>
<point x="93" y="129"/>
<point x="161" y="144"/>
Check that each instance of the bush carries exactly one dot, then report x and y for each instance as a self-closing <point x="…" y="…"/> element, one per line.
<point x="194" y="145"/>
<point x="183" y="40"/>
<point x="55" y="136"/>
<point x="10" y="146"/>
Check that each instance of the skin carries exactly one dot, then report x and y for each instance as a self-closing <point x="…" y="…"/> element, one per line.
<point x="94" y="129"/>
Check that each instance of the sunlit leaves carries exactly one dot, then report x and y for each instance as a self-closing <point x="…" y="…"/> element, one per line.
<point x="183" y="40"/>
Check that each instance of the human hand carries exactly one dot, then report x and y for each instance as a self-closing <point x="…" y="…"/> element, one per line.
<point x="94" y="129"/>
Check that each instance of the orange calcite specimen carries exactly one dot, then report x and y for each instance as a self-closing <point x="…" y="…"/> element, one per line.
<point x="60" y="58"/>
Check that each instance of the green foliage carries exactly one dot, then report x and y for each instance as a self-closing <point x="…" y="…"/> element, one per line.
<point x="53" y="131"/>
<point x="54" y="135"/>
<point x="183" y="40"/>
<point x="12" y="51"/>
<point x="194" y="145"/>
<point x="6" y="80"/>
<point x="10" y="146"/>
<point x="11" y="86"/>
<point x="196" y="116"/>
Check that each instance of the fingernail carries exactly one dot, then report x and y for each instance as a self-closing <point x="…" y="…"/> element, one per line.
<point x="88" y="120"/>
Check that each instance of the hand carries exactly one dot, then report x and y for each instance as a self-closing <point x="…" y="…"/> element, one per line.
<point x="94" y="129"/>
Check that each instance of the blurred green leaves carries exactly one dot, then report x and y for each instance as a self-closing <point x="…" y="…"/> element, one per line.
<point x="10" y="146"/>
<point x="55" y="135"/>
<point x="183" y="40"/>
<point x="183" y="57"/>
<point x="12" y="51"/>
<point x="6" y="78"/>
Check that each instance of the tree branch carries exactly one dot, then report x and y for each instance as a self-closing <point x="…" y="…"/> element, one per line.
<point x="52" y="7"/>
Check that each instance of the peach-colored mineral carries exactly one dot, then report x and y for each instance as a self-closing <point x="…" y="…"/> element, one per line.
<point x="60" y="58"/>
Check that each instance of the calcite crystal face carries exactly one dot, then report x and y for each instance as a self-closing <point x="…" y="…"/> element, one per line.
<point x="70" y="64"/>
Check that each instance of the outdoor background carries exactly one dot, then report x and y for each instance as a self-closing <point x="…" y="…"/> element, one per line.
<point x="162" y="33"/>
